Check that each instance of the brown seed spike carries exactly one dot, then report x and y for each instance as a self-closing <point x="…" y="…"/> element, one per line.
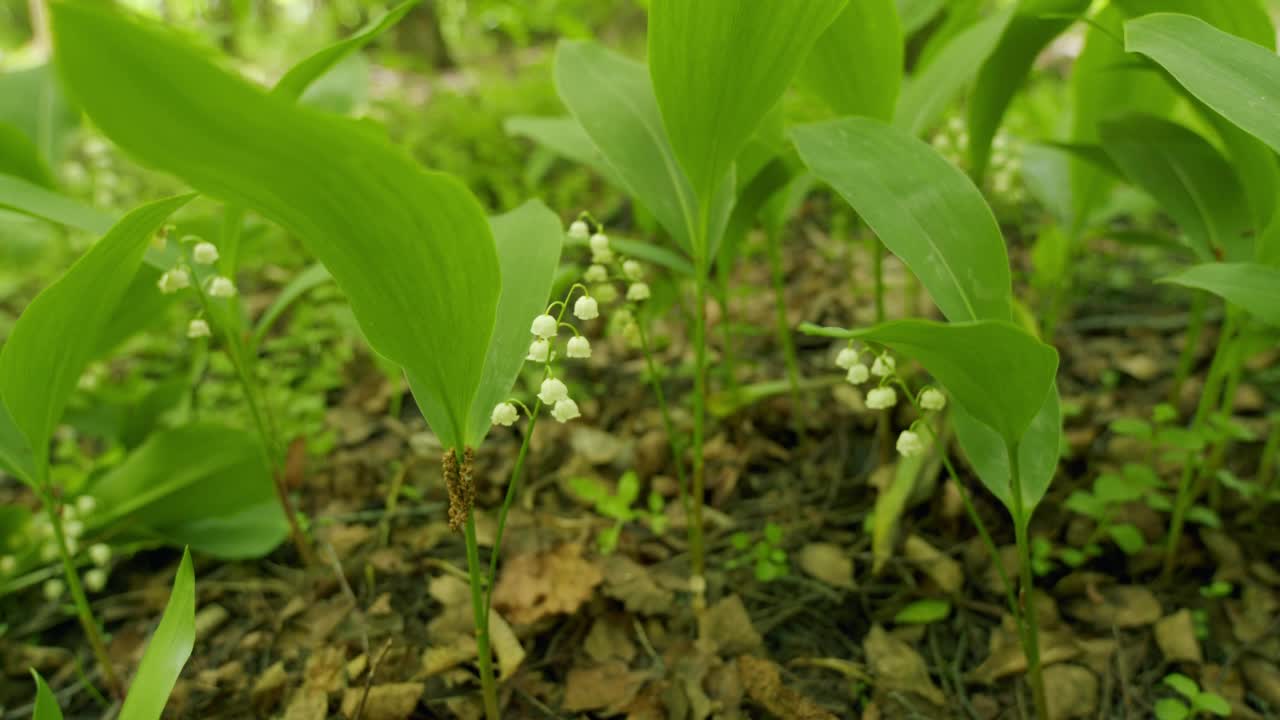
<point x="461" y="486"/>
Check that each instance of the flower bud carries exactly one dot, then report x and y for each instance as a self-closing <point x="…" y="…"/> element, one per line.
<point x="883" y="366"/>
<point x="578" y="230"/>
<point x="73" y="528"/>
<point x="8" y="564"/>
<point x="95" y="579"/>
<point x="565" y="410"/>
<point x="633" y="270"/>
<point x="504" y="414"/>
<point x="596" y="274"/>
<point x="53" y="588"/>
<point x="171" y="281"/>
<point x="544" y="326"/>
<point x="49" y="551"/>
<point x="100" y="554"/>
<point x="858" y="374"/>
<point x="600" y="243"/>
<point x="602" y="257"/>
<point x="578" y="347"/>
<point x="909" y="444"/>
<point x="881" y="398"/>
<point x="586" y="308"/>
<point x="605" y="293"/>
<point x="222" y="287"/>
<point x="539" y="350"/>
<point x="552" y="391"/>
<point x="638" y="292"/>
<point x="86" y="504"/>
<point x="198" y="328"/>
<point x="847" y="358"/>
<point x="932" y="399"/>
<point x="205" y="253"/>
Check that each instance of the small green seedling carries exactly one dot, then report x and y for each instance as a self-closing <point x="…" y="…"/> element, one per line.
<point x="923" y="612"/>
<point x="617" y="506"/>
<point x="1216" y="590"/>
<point x="1202" y="703"/>
<point x="767" y="555"/>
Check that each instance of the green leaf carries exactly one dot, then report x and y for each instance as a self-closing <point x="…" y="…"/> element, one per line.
<point x="612" y="99"/>
<point x="971" y="360"/>
<point x="410" y="249"/>
<point x="1007" y="67"/>
<point x="1111" y="488"/>
<point x="1038" y="453"/>
<point x="1237" y="78"/>
<point x="1204" y="515"/>
<point x="31" y="199"/>
<point x="564" y="136"/>
<point x="718" y="67"/>
<point x="203" y="485"/>
<point x="588" y="489"/>
<point x="57" y="334"/>
<point x="1127" y="537"/>
<point x="295" y="82"/>
<point x="1253" y="287"/>
<point x="167" y="651"/>
<point x="1170" y="709"/>
<point x="1188" y="177"/>
<point x="302" y="283"/>
<point x="20" y="158"/>
<point x="922" y="207"/>
<point x="1212" y="703"/>
<point x="923" y="612"/>
<point x="927" y="95"/>
<point x="910" y="475"/>
<point x="16" y="457"/>
<point x="915" y="14"/>
<point x="31" y="101"/>
<point x="866" y="36"/>
<point x="46" y="706"/>
<point x="1184" y="685"/>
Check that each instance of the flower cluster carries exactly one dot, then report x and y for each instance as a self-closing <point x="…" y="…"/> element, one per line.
<point x="884" y="396"/>
<point x="180" y="277"/>
<point x="1004" y="165"/>
<point x="607" y="265"/>
<point x="72" y="517"/>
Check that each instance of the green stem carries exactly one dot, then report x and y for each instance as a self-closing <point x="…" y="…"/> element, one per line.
<point x="699" y="417"/>
<point x="728" y="358"/>
<point x="1195" y="328"/>
<point x="488" y="686"/>
<point x="783" y="329"/>
<point x="513" y="489"/>
<point x="677" y="452"/>
<point x="1031" y="622"/>
<point x="1235" y="370"/>
<point x="83" y="611"/>
<point x="1267" y="467"/>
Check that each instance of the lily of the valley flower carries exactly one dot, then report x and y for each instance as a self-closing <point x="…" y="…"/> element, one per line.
<point x="586" y="308"/>
<point x="881" y="398"/>
<point x="565" y="410"/>
<point x="578" y="347"/>
<point x="883" y="366"/>
<point x="544" y="326"/>
<point x="578" y="230"/>
<point x="909" y="443"/>
<point x="553" y="391"/>
<point x="539" y="350"/>
<point x="95" y="579"/>
<point x="932" y="399"/>
<point x="171" y="281"/>
<point x="504" y="414"/>
<point x="858" y="374"/>
<point x="100" y="554"/>
<point x="637" y="292"/>
<point x="847" y="358"/>
<point x="205" y="253"/>
<point x="596" y="274"/>
<point x="222" y="287"/>
<point x="198" y="328"/>
<point x="633" y="270"/>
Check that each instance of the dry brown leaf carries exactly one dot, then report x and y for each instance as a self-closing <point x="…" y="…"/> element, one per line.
<point x="1176" y="638"/>
<point x="829" y="563"/>
<point x="898" y="667"/>
<point x="1007" y="658"/>
<point x="609" y="687"/>
<point x="944" y="570"/>
<point x="628" y="581"/>
<point x="1123" y="606"/>
<point x="536" y="586"/>
<point x="1263" y="678"/>
<point x="394" y="701"/>
<point x="729" y="627"/>
<point x="269" y="688"/>
<point x="610" y="639"/>
<point x="763" y="684"/>
<point x="1072" y="692"/>
<point x="308" y="705"/>
<point x="324" y="670"/>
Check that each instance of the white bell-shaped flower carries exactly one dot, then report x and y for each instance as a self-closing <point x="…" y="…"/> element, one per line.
<point x="100" y="554"/>
<point x="858" y="374"/>
<point x="552" y="391"/>
<point x="847" y="358"/>
<point x="578" y="230"/>
<point x="600" y="243"/>
<point x="544" y="326"/>
<point x="633" y="270"/>
<point x="910" y="444"/>
<point x="198" y="328"/>
<point x="504" y="414"/>
<point x="586" y="308"/>
<point x="8" y="564"/>
<point x="171" y="281"/>
<point x="49" y="551"/>
<point x="605" y="293"/>
<point x="638" y="291"/>
<point x="602" y="257"/>
<point x="95" y="579"/>
<point x="596" y="274"/>
<point x="222" y="287"/>
<point x="205" y="253"/>
<point x="881" y="398"/>
<point x="86" y="504"/>
<point x="539" y="350"/>
<point x="932" y="399"/>
<point x="883" y="366"/>
<point x="565" y="410"/>
<point x="53" y="588"/>
<point x="578" y="347"/>
<point x="73" y="528"/>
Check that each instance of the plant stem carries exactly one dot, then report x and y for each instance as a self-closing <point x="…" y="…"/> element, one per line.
<point x="488" y="686"/>
<point x="677" y="452"/>
<point x="1195" y="328"/>
<point x="1267" y="467"/>
<point x="513" y="489"/>
<point x="1235" y="369"/>
<point x="1031" y="622"/>
<point x="83" y="611"/>
<point x="699" y="417"/>
<point x="774" y="244"/>
<point x="728" y="359"/>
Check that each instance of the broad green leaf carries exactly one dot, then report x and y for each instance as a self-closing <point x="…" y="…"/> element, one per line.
<point x="31" y="101"/>
<point x="1171" y="709"/>
<point x="411" y="249"/>
<point x="913" y="476"/>
<point x="915" y="14"/>
<point x="203" y="485"/>
<point x="1237" y="78"/>
<point x="46" y="706"/>
<point x="529" y="240"/>
<point x="718" y="67"/>
<point x="167" y="651"/>
<point x="994" y="370"/>
<point x="1212" y="703"/>
<point x="927" y="95"/>
<point x="57" y="334"/>
<point x="923" y="612"/>
<point x="31" y="199"/>
<point x="1251" y="286"/>
<point x="564" y="136"/>
<point x="1038" y="453"/>
<point x="302" y="75"/>
<point x="19" y="157"/>
<point x="1254" y="163"/>
<point x="16" y="457"/>
<point x="612" y="99"/>
<point x="1188" y="177"/>
<point x="922" y="207"/>
<point x="1005" y="70"/>
<point x="856" y="65"/>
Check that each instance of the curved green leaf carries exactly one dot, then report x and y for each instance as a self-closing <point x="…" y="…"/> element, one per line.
<point x="529" y="241"/>
<point x="411" y="249"/>
<point x="915" y="14"/>
<point x="295" y="82"/>
<point x="1188" y="177"/>
<point x="993" y="369"/>
<point x="46" y="707"/>
<point x="19" y="157"/>
<point x="1007" y="67"/>
<point x="1253" y="287"/>
<point x="1038" y="454"/>
<point x="922" y="207"/>
<point x="856" y="65"/>
<point x="36" y="201"/>
<point x="928" y="94"/>
<point x="167" y="652"/>
<point x="16" y="457"/>
<point x="1237" y="78"/>
<point x="58" y="332"/>
<point x="201" y="485"/>
<point x="564" y="136"/>
<point x="719" y="66"/>
<point x="31" y="101"/>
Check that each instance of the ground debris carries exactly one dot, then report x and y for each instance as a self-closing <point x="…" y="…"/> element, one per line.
<point x="829" y="563"/>
<point x="534" y="586"/>
<point x="763" y="684"/>
<point x="897" y="667"/>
